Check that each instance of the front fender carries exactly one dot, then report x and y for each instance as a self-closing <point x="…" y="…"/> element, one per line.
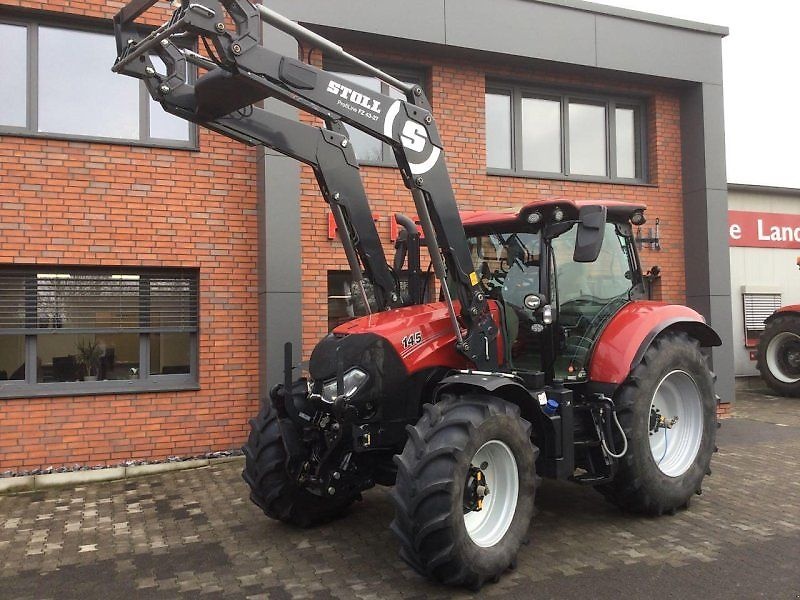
<point x="495" y="385"/>
<point x="630" y="332"/>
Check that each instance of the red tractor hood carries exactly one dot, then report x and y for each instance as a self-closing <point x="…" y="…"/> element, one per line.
<point x="422" y="335"/>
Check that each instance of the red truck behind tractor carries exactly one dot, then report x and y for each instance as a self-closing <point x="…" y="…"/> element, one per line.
<point x="541" y="358"/>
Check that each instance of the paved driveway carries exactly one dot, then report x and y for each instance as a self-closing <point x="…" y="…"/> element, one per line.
<point x="194" y="533"/>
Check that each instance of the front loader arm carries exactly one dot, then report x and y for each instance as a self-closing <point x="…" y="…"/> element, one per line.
<point x="241" y="72"/>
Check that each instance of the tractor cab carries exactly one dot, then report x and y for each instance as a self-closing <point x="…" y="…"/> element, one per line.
<point x="559" y="270"/>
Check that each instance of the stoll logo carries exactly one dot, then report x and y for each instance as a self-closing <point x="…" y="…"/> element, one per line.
<point x="354" y="96"/>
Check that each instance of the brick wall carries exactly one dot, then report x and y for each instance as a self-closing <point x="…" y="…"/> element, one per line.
<point x="90" y="204"/>
<point x="456" y="89"/>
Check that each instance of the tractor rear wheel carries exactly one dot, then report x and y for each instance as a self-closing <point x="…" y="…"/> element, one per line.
<point x="668" y="413"/>
<point x="271" y="488"/>
<point x="779" y="355"/>
<point x="465" y="489"/>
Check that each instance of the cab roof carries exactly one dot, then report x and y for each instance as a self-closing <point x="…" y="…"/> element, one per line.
<point x="477" y="219"/>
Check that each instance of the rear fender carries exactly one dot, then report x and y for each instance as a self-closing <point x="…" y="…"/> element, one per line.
<point x="784" y="311"/>
<point x="629" y="334"/>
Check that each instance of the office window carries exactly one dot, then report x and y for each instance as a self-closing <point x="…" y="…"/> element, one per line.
<point x="13" y="72"/>
<point x="64" y="87"/>
<point x="370" y="150"/>
<point x="96" y="330"/>
<point x="345" y="301"/>
<point x="551" y="134"/>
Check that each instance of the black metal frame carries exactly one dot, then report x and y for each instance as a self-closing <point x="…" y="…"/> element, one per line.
<point x="243" y="73"/>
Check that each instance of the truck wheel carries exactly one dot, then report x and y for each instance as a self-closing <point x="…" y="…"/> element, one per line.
<point x="779" y="355"/>
<point x="271" y="488"/>
<point x="668" y="413"/>
<point x="465" y="489"/>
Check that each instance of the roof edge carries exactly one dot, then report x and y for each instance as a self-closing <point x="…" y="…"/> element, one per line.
<point x="637" y="15"/>
<point x="763" y="189"/>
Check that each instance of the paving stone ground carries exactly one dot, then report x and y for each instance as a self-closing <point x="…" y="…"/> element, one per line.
<point x="194" y="534"/>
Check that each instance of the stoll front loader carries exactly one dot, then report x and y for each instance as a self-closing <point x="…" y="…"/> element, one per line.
<point x="541" y="357"/>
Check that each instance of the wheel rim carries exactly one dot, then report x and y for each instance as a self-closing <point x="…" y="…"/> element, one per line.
<point x="783" y="357"/>
<point x="676" y="423"/>
<point x="487" y="526"/>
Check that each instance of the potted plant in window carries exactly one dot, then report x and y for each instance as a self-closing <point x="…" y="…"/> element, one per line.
<point x="89" y="355"/>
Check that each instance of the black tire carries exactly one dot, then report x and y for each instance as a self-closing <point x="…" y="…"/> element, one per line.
<point x="271" y="489"/>
<point x="429" y="493"/>
<point x="781" y="338"/>
<point x="640" y="485"/>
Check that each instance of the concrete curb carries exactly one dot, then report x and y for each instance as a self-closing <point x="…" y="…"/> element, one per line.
<point x="29" y="483"/>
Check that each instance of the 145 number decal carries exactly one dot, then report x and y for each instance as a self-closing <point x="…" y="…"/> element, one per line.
<point x="412" y="339"/>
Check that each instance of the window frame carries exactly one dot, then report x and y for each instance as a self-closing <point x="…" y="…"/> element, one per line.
<point x="611" y="102"/>
<point x="411" y="74"/>
<point x="29" y="387"/>
<point x="30" y="129"/>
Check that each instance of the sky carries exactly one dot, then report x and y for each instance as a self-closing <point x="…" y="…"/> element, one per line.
<point x="762" y="88"/>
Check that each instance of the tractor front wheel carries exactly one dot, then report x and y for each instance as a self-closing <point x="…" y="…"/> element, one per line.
<point x="465" y="489"/>
<point x="779" y="355"/>
<point x="271" y="488"/>
<point x="668" y="413"/>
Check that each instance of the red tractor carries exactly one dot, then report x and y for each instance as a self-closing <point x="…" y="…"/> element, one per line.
<point x="541" y="357"/>
<point x="779" y="350"/>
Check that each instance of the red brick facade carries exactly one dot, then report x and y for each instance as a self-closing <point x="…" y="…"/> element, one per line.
<point x="89" y="204"/>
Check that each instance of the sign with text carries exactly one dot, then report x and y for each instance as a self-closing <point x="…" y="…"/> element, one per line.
<point x="763" y="230"/>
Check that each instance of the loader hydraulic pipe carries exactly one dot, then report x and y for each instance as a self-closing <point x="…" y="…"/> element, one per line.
<point x="301" y="33"/>
<point x="436" y="258"/>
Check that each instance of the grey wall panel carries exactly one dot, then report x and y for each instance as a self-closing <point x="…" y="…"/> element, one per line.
<point x="705" y="222"/>
<point x="693" y="145"/>
<point x="282" y="224"/>
<point x="523" y="29"/>
<point x="714" y="134"/>
<point x="284" y="324"/>
<point x="719" y="307"/>
<point x="581" y="34"/>
<point x="280" y="317"/>
<point x="650" y="49"/>
<point x="705" y="231"/>
<point x="421" y="20"/>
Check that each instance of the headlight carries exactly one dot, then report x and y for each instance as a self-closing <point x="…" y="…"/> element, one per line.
<point x="353" y="380"/>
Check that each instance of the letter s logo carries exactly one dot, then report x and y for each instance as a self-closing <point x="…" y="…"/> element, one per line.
<point x="414" y="136"/>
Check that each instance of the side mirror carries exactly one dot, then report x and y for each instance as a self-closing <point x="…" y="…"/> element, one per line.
<point x="591" y="228"/>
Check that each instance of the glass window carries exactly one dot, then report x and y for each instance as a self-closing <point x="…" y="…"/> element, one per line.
<point x="14" y="75"/>
<point x="163" y="124"/>
<point x="12" y="357"/>
<point x="587" y="139"/>
<point x="87" y="357"/>
<point x="553" y="134"/>
<point x="170" y="353"/>
<point x="625" y="123"/>
<point x="73" y="92"/>
<point x="345" y="301"/>
<point x="541" y="135"/>
<point x="498" y="131"/>
<point x="78" y="93"/>
<point x="368" y="149"/>
<point x="96" y="325"/>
